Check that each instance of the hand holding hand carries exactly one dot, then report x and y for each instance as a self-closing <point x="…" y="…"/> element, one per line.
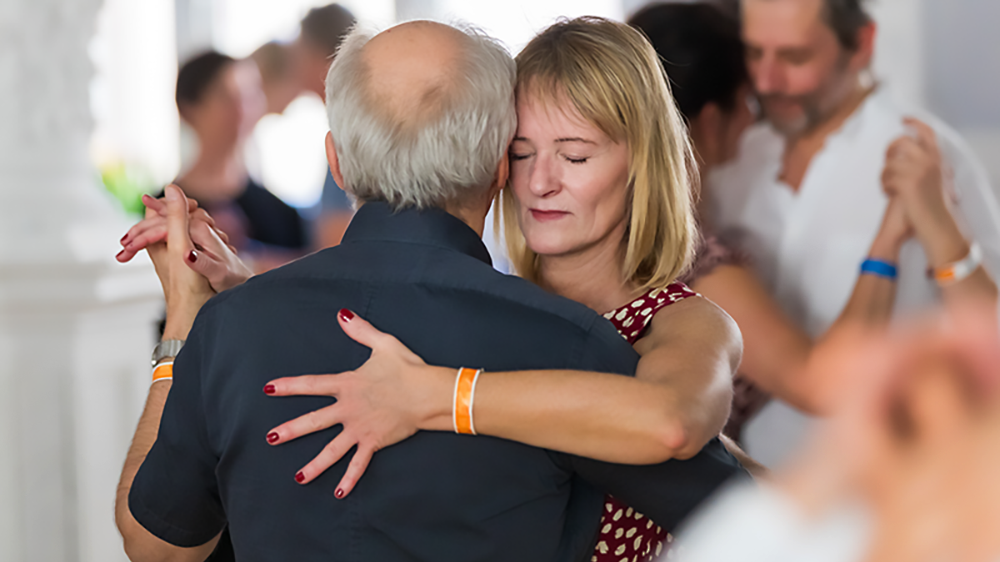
<point x="914" y="173"/>
<point x="381" y="403"/>
<point x="213" y="257"/>
<point x="185" y="290"/>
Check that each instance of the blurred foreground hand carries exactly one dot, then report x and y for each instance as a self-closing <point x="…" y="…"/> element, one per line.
<point x="907" y="468"/>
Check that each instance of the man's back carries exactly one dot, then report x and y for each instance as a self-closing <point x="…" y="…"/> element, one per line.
<point x="436" y="496"/>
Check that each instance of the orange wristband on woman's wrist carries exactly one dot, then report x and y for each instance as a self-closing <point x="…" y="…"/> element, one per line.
<point x="164" y="371"/>
<point x="465" y="394"/>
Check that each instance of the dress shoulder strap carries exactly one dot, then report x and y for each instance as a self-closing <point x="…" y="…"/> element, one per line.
<point x="632" y="319"/>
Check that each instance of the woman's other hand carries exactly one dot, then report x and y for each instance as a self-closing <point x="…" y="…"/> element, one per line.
<point x="185" y="290"/>
<point x="386" y="400"/>
<point x="213" y="257"/>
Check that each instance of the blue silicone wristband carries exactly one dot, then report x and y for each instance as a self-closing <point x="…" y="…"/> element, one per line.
<point x="880" y="268"/>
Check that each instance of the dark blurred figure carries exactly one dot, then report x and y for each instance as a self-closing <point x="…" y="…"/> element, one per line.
<point x="322" y="31"/>
<point x="702" y="54"/>
<point x="279" y="75"/>
<point x="221" y="99"/>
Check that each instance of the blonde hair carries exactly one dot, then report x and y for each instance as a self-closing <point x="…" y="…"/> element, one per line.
<point x="612" y="76"/>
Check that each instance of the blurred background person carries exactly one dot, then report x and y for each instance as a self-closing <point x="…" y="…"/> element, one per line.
<point x="808" y="189"/>
<point x="322" y="30"/>
<point x="278" y="75"/>
<point x="221" y="100"/>
<point x="703" y="55"/>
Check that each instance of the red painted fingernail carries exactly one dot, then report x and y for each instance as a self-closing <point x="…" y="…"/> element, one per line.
<point x="299" y="477"/>
<point x="119" y="254"/>
<point x="272" y="437"/>
<point x="192" y="256"/>
<point x="269" y="389"/>
<point x="346" y="315"/>
<point x="124" y="238"/>
<point x="339" y="494"/>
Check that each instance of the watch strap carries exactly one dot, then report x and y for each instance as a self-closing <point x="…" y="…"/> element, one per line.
<point x="166" y="348"/>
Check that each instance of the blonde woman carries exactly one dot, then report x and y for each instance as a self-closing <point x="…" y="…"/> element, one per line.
<point x="599" y="210"/>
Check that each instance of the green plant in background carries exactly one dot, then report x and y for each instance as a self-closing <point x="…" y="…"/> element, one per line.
<point x="128" y="183"/>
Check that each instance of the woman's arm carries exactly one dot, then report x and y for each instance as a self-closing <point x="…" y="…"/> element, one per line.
<point x="775" y="349"/>
<point x="693" y="348"/>
<point x="643" y="420"/>
<point x="678" y="401"/>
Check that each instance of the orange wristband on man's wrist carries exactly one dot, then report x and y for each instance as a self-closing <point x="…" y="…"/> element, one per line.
<point x="164" y="371"/>
<point x="465" y="393"/>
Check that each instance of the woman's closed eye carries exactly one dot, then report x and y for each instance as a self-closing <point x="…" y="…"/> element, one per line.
<point x="573" y="160"/>
<point x="515" y="156"/>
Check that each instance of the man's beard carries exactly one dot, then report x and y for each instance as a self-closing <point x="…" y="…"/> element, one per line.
<point x="816" y="107"/>
<point x="811" y="115"/>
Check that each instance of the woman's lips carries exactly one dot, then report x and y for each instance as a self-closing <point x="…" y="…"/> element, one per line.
<point x="543" y="216"/>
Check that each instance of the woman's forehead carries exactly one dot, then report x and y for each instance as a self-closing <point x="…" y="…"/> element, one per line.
<point x="553" y="114"/>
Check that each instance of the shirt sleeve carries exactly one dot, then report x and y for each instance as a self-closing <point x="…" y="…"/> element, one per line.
<point x="667" y="492"/>
<point x="175" y="495"/>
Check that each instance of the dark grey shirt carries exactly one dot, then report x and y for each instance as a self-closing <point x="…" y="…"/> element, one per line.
<point x="425" y="277"/>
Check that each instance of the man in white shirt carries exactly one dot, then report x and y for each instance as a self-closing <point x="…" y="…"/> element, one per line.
<point x="804" y="197"/>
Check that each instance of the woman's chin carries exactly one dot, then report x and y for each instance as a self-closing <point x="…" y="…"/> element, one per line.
<point x="550" y="247"/>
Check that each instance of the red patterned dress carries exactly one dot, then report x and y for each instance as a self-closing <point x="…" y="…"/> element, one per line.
<point x="625" y="534"/>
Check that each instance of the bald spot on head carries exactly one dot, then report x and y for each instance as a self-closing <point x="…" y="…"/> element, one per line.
<point x="413" y="71"/>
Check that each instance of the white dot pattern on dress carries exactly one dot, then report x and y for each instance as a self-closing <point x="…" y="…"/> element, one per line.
<point x="625" y="533"/>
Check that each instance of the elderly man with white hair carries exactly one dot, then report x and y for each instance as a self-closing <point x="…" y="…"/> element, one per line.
<point x="421" y="116"/>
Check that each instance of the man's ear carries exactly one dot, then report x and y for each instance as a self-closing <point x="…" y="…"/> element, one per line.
<point x="503" y="174"/>
<point x="331" y="158"/>
<point x="862" y="57"/>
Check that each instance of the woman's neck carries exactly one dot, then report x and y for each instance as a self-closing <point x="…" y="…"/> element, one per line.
<point x="592" y="277"/>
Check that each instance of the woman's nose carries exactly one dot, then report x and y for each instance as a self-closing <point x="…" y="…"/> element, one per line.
<point x="543" y="181"/>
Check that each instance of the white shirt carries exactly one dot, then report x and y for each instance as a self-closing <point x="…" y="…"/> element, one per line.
<point x="807" y="246"/>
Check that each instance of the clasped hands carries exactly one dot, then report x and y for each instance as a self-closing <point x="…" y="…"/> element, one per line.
<point x="915" y="179"/>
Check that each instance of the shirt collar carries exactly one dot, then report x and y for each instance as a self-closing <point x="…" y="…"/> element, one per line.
<point x="376" y="221"/>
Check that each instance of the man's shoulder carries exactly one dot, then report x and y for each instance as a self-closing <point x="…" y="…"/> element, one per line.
<point x="459" y="275"/>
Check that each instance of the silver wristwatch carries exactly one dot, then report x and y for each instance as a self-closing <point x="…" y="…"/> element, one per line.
<point x="166" y="348"/>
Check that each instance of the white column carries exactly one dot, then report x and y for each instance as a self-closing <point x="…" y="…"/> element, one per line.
<point x="75" y="327"/>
